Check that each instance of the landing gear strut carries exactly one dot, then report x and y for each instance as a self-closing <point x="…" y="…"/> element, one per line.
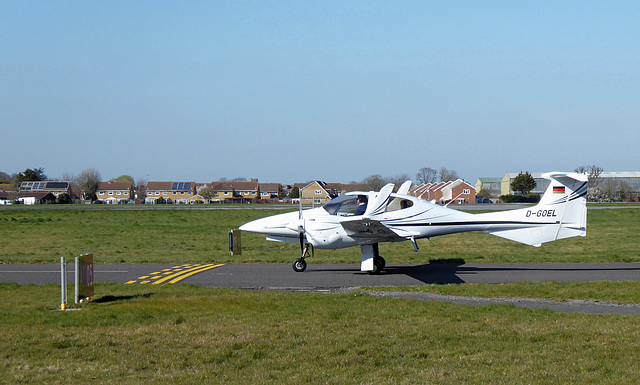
<point x="300" y="264"/>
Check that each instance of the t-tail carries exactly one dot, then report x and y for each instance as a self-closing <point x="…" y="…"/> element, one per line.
<point x="561" y="213"/>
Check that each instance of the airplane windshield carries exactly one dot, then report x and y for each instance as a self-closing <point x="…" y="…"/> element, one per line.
<point x="343" y="206"/>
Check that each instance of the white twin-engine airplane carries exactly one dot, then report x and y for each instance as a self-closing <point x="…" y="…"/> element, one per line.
<point x="394" y="217"/>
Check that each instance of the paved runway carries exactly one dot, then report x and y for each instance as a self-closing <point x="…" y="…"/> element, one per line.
<point x="348" y="277"/>
<point x="320" y="276"/>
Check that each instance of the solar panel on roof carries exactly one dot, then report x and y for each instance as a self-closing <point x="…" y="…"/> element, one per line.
<point x="56" y="184"/>
<point x="180" y="186"/>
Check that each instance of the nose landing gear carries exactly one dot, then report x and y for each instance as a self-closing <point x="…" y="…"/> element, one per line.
<point x="299" y="265"/>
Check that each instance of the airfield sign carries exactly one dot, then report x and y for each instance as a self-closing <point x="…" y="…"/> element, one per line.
<point x="84" y="277"/>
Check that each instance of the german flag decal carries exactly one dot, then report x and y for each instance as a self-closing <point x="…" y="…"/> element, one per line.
<point x="558" y="190"/>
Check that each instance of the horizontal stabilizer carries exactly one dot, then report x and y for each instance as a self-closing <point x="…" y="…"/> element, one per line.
<point x="529" y="236"/>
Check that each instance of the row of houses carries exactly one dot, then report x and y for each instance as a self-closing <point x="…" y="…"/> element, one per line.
<point x="315" y="192"/>
<point x="457" y="191"/>
<point x="310" y="193"/>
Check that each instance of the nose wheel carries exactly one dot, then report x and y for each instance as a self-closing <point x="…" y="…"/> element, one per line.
<point x="299" y="265"/>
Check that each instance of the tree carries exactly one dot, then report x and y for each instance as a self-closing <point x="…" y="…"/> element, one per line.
<point x="593" y="181"/>
<point x="447" y="175"/>
<point x="29" y="175"/>
<point x="398" y="180"/>
<point x="88" y="180"/>
<point x="294" y="193"/>
<point x="484" y="193"/>
<point x="123" y="178"/>
<point x="141" y="188"/>
<point x="208" y="193"/>
<point x="523" y="183"/>
<point x="594" y="173"/>
<point x="5" y="178"/>
<point x="426" y="175"/>
<point x="374" y="182"/>
<point x="64" y="198"/>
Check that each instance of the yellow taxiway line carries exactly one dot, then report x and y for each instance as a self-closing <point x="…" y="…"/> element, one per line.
<point x="174" y="275"/>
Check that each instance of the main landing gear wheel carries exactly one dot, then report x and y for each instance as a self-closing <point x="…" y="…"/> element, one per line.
<point x="378" y="264"/>
<point x="299" y="265"/>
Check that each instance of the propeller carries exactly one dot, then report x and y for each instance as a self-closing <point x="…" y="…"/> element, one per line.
<point x="302" y="234"/>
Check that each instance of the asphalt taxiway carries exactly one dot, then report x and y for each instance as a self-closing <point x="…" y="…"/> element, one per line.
<point x="329" y="276"/>
<point x="333" y="277"/>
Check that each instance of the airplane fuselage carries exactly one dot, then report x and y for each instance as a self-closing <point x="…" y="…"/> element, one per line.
<point x="387" y="217"/>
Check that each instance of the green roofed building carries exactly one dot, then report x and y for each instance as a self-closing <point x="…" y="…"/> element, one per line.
<point x="492" y="185"/>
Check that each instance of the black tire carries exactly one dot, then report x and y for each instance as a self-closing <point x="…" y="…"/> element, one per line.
<point x="299" y="265"/>
<point x="378" y="265"/>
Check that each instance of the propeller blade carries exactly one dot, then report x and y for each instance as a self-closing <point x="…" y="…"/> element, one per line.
<point x="301" y="242"/>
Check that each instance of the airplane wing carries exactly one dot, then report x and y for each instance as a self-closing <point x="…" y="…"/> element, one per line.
<point x="373" y="230"/>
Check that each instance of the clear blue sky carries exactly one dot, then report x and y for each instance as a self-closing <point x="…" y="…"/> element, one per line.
<point x="332" y="90"/>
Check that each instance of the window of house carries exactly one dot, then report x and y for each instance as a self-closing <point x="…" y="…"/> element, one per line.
<point x="318" y="192"/>
<point x="466" y="191"/>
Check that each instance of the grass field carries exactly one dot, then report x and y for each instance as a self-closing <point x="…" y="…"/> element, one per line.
<point x="182" y="334"/>
<point x="177" y="236"/>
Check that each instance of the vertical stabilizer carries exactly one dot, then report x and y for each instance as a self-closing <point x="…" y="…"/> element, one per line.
<point x="573" y="222"/>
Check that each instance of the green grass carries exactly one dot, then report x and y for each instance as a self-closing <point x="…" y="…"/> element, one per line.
<point x="176" y="236"/>
<point x="182" y="334"/>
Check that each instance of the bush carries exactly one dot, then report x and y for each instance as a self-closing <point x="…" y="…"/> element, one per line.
<point x="64" y="198"/>
<point x="529" y="198"/>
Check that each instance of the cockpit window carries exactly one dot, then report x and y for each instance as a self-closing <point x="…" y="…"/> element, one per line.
<point x="399" y="204"/>
<point x="343" y="206"/>
<point x="346" y="205"/>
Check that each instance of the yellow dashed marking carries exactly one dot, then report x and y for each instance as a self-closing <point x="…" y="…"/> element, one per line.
<point x="174" y="275"/>
<point x="193" y="273"/>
